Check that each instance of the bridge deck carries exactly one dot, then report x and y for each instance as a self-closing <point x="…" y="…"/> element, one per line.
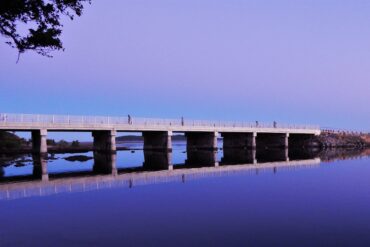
<point x="25" y="122"/>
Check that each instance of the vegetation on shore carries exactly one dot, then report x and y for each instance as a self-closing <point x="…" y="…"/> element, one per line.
<point x="10" y="141"/>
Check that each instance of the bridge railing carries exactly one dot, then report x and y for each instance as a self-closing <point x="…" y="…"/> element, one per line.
<point x="59" y="120"/>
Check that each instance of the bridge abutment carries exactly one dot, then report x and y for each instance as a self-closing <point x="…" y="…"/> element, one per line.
<point x="201" y="140"/>
<point x="157" y="140"/>
<point x="239" y="140"/>
<point x="104" y="140"/>
<point x="39" y="141"/>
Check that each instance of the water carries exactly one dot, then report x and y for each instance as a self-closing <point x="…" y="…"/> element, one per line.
<point x="210" y="200"/>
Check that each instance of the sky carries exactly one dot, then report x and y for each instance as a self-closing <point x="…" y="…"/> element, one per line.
<point x="290" y="61"/>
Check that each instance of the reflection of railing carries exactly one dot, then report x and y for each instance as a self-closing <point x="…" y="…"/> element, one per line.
<point x="88" y="183"/>
<point x="88" y="121"/>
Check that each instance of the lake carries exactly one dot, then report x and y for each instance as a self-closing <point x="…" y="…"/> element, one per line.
<point x="201" y="198"/>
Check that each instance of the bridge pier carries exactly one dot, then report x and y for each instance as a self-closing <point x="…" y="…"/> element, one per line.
<point x="104" y="140"/>
<point x="39" y="144"/>
<point x="157" y="140"/>
<point x="239" y="140"/>
<point x="40" y="167"/>
<point x="157" y="160"/>
<point x="201" y="140"/>
<point x="272" y="140"/>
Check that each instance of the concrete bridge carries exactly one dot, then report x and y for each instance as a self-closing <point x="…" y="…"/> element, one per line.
<point x="157" y="132"/>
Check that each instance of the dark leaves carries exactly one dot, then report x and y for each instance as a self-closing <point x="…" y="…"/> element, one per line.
<point x="43" y="18"/>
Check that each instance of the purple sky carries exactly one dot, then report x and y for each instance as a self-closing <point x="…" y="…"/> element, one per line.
<point x="289" y="61"/>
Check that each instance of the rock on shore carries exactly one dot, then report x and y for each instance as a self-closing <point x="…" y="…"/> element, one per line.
<point x="341" y="139"/>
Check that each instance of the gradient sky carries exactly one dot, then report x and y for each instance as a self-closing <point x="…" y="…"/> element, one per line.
<point x="291" y="61"/>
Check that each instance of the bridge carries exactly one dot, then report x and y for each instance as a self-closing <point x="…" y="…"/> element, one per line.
<point x="157" y="133"/>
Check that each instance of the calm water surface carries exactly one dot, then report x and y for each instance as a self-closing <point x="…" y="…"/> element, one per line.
<point x="218" y="203"/>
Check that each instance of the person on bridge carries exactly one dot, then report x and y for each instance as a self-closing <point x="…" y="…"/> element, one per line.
<point x="256" y="123"/>
<point x="274" y="124"/>
<point x="129" y="119"/>
<point x="182" y="121"/>
<point x="3" y="117"/>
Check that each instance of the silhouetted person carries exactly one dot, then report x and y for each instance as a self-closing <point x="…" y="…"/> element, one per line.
<point x="256" y="123"/>
<point x="182" y="121"/>
<point x="274" y="124"/>
<point x="129" y="119"/>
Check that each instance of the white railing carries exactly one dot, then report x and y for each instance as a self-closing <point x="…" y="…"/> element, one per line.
<point x="58" y="120"/>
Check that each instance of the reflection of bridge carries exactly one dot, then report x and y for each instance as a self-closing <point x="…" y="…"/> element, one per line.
<point x="157" y="132"/>
<point x="109" y="176"/>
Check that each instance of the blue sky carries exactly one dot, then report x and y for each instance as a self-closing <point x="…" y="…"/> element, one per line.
<point x="289" y="61"/>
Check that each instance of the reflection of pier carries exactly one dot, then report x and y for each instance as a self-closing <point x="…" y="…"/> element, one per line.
<point x="106" y="175"/>
<point x="238" y="156"/>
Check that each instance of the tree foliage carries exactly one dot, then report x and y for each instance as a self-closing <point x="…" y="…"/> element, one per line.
<point x="35" y="24"/>
<point x="10" y="141"/>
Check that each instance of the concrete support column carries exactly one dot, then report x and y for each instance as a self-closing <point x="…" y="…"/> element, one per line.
<point x="157" y="140"/>
<point x="114" y="164"/>
<point x="104" y="140"/>
<point x="215" y="136"/>
<point x="286" y="140"/>
<point x="253" y="142"/>
<point x="170" y="163"/>
<point x="113" y="134"/>
<point x="201" y="140"/>
<point x="286" y="154"/>
<point x="39" y="144"/>
<point x="40" y="166"/>
<point x="254" y="157"/>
